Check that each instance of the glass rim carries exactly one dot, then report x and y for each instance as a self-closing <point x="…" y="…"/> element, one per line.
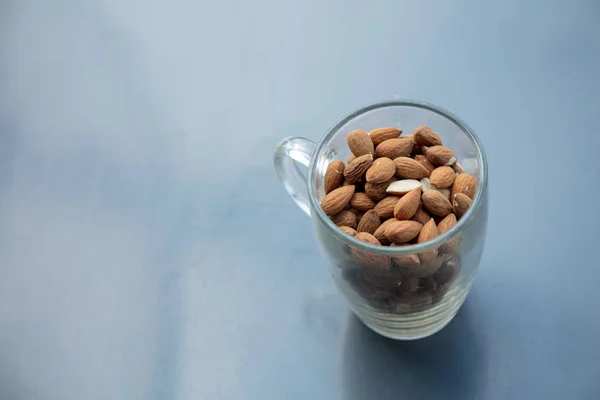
<point x="412" y="248"/>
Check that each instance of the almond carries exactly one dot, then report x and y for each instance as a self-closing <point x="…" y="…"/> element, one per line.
<point x="382" y="134"/>
<point x="380" y="231"/>
<point x="362" y="202"/>
<point x="377" y="191"/>
<point x="355" y="171"/>
<point x="428" y="268"/>
<point x="335" y="201"/>
<point x="421" y="216"/>
<point x="402" y="231"/>
<point x="426" y="137"/>
<point x="369" y="222"/>
<point x="370" y="260"/>
<point x="442" y="177"/>
<point x="385" y="208"/>
<point x="464" y="183"/>
<point x="406" y="261"/>
<point x="334" y="176"/>
<point x="348" y="230"/>
<point x="394" y="148"/>
<point x="351" y="158"/>
<point x="367" y="238"/>
<point x="402" y="187"/>
<point x="360" y="143"/>
<point x="436" y="203"/>
<point x="381" y="170"/>
<point x="407" y="206"/>
<point x="446" y="224"/>
<point x="344" y="218"/>
<point x="426" y="185"/>
<point x="428" y="232"/>
<point x="461" y="204"/>
<point x="440" y="155"/>
<point x="408" y="168"/>
<point x="421" y="159"/>
<point x="409" y="284"/>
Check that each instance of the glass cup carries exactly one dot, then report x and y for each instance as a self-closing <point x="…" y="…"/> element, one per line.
<point x="406" y="292"/>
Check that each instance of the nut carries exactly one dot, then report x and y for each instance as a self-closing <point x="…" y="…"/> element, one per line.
<point x="380" y="231"/>
<point x="385" y="208"/>
<point x="426" y="185"/>
<point x="409" y="168"/>
<point x="464" y="183"/>
<point x="382" y="134"/>
<point x="334" y="176"/>
<point x="362" y="202"/>
<point x="348" y="230"/>
<point x="360" y="143"/>
<point x="344" y="218"/>
<point x="442" y="177"/>
<point x="440" y="155"/>
<point x="355" y="171"/>
<point x="407" y="206"/>
<point x="394" y="148"/>
<point x="428" y="232"/>
<point x="402" y="231"/>
<point x="421" y="159"/>
<point x="377" y="191"/>
<point x="402" y="187"/>
<point x="382" y="170"/>
<point x="369" y="222"/>
<point x="426" y="137"/>
<point x="335" y="201"/>
<point x="421" y="216"/>
<point x="436" y="203"/>
<point x="461" y="204"/>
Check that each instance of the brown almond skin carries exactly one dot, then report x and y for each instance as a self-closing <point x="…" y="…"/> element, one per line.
<point x="426" y="137"/>
<point x="446" y="224"/>
<point x="382" y="134"/>
<point x="380" y="231"/>
<point x="464" y="183"/>
<point x="402" y="231"/>
<point x="436" y="203"/>
<point x="355" y="171"/>
<point x="367" y="237"/>
<point x="408" y="205"/>
<point x="440" y="155"/>
<point x="376" y="191"/>
<point x="351" y="158"/>
<point x="335" y="201"/>
<point x="334" y="175"/>
<point x="362" y="202"/>
<point x="461" y="204"/>
<point x="385" y="208"/>
<point x="428" y="232"/>
<point x="394" y="148"/>
<point x="421" y="216"/>
<point x="381" y="170"/>
<point x="442" y="177"/>
<point x="348" y="230"/>
<point x="345" y="218"/>
<point x="458" y="168"/>
<point x="421" y="159"/>
<point x="369" y="222"/>
<point x="408" y="168"/>
<point x="360" y="143"/>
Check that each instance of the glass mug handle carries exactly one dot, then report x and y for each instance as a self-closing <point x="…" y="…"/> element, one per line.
<point x="289" y="151"/>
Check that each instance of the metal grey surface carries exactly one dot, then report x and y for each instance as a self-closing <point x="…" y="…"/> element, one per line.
<point x="147" y="250"/>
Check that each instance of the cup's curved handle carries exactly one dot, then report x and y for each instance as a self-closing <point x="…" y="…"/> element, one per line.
<point x="289" y="151"/>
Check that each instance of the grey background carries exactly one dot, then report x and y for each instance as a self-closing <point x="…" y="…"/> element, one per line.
<point x="147" y="250"/>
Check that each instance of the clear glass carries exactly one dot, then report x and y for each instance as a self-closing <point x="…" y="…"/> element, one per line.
<point x="385" y="288"/>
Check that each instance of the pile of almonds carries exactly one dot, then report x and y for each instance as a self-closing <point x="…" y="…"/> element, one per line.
<point x="397" y="190"/>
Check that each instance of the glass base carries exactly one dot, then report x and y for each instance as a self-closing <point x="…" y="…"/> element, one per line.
<point x="412" y="326"/>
